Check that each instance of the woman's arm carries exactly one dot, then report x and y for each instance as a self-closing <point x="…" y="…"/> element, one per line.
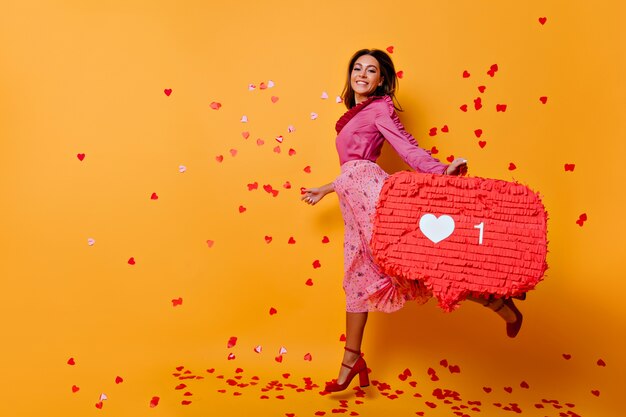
<point x="313" y="195"/>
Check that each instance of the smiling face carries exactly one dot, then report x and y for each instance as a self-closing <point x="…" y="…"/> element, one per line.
<point x="365" y="77"/>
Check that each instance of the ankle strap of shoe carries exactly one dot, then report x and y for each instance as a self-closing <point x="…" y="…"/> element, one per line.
<point x="352" y="350"/>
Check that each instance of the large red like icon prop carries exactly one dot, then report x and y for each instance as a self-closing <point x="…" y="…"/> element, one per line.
<point x="461" y="235"/>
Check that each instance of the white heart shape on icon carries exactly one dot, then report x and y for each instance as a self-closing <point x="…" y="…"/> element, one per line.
<point x="435" y="228"/>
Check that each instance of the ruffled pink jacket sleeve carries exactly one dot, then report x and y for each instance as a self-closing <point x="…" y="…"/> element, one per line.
<point x="389" y="125"/>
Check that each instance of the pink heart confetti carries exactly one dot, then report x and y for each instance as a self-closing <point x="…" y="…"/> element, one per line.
<point x="245" y="135"/>
<point x="291" y="240"/>
<point x="282" y="350"/>
<point x="251" y="87"/>
<point x="233" y="152"/>
<point x="210" y="243"/>
<point x="278" y="358"/>
<point x="215" y="105"/>
<point x="279" y="139"/>
<point x="287" y="185"/>
<point x="463" y="108"/>
<point x="324" y="95"/>
<point x="478" y="132"/>
<point x="342" y="338"/>
<point x="270" y="84"/>
<point x="182" y="169"/>
<point x="219" y="158"/>
<point x="91" y="241"/>
<point x="268" y="239"/>
<point x="450" y="158"/>
<point x="242" y="209"/>
<point x="434" y="150"/>
<point x="244" y="119"/>
<point x="260" y="142"/>
<point x="274" y="99"/>
<point x="338" y="100"/>
<point x="313" y="115"/>
<point x="277" y="149"/>
<point x="99" y="405"/>
<point x="231" y="356"/>
<point x="432" y="131"/>
<point x="292" y="152"/>
<point x="482" y="143"/>
<point x="478" y="103"/>
<point x="308" y="357"/>
<point x="492" y="70"/>
<point x="307" y="169"/>
<point x="325" y="239"/>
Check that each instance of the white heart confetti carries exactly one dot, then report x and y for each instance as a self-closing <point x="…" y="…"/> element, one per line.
<point x="313" y="116"/>
<point x="182" y="169"/>
<point x="258" y="349"/>
<point x="338" y="99"/>
<point x="244" y="119"/>
<point x="270" y="83"/>
<point x="324" y="95"/>
<point x="290" y="129"/>
<point x="282" y="350"/>
<point x="90" y="241"/>
<point x="103" y="397"/>
<point x="251" y="87"/>
<point x="436" y="229"/>
<point x="279" y="139"/>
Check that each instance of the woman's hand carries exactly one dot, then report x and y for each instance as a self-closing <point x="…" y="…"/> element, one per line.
<point x="313" y="195"/>
<point x="457" y="167"/>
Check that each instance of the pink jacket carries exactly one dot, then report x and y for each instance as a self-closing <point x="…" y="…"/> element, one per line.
<point x="363" y="129"/>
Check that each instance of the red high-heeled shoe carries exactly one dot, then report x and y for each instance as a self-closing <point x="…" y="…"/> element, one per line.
<point x="359" y="367"/>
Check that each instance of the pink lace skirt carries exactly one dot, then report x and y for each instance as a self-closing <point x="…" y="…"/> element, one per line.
<point x="366" y="287"/>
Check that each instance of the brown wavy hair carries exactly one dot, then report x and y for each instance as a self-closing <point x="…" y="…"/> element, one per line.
<point x="387" y="72"/>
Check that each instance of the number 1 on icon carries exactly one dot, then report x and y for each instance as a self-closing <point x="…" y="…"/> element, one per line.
<point x="480" y="226"/>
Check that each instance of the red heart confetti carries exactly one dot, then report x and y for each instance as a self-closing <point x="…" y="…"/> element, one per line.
<point x="342" y="338"/>
<point x="71" y="361"/>
<point x="154" y="402"/>
<point x="543" y="99"/>
<point x="390" y="49"/>
<point x="80" y="156"/>
<point x="454" y="369"/>
<point x="478" y="132"/>
<point x="242" y="209"/>
<point x="262" y="86"/>
<point x="274" y="99"/>
<point x="307" y="169"/>
<point x="287" y="185"/>
<point x="253" y="186"/>
<point x="231" y="342"/>
<point x="567" y="356"/>
<point x="167" y="91"/>
<point x="433" y="131"/>
<point x="508" y="389"/>
<point x="325" y="239"/>
<point x="119" y="379"/>
<point x="400" y="74"/>
<point x="309" y="282"/>
<point x="595" y="392"/>
<point x="482" y="143"/>
<point x="601" y="362"/>
<point x="219" y="158"/>
<point x="231" y="356"/>
<point x="233" y="152"/>
<point x="99" y="405"/>
<point x="308" y="357"/>
<point x="444" y="363"/>
<point x="501" y="107"/>
<point x="292" y="152"/>
<point x="542" y="20"/>
<point x="185" y="402"/>
<point x="215" y="105"/>
<point x="431" y="405"/>
<point x="512" y="166"/>
<point x="478" y="103"/>
<point x="273" y="311"/>
<point x="487" y="389"/>
<point x="245" y="135"/>
<point x="291" y="241"/>
<point x="268" y="239"/>
<point x="450" y="158"/>
<point x="524" y="385"/>
<point x="177" y="301"/>
<point x="316" y="264"/>
<point x="481" y="88"/>
<point x="445" y="129"/>
<point x="492" y="70"/>
<point x="277" y="149"/>
<point x="180" y="386"/>
<point x="154" y="196"/>
<point x="75" y="388"/>
<point x="279" y="358"/>
<point x="463" y="107"/>
<point x="260" y="142"/>
<point x="570" y="167"/>
<point x="581" y="220"/>
<point x="131" y="261"/>
<point x="434" y="150"/>
<point x="466" y="74"/>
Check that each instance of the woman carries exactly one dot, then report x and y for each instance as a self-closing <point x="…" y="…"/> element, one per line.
<point x="371" y="119"/>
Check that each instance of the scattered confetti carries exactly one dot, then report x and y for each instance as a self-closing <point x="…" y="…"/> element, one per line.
<point x="478" y="132"/>
<point x="482" y="143"/>
<point x="338" y="99"/>
<point x="154" y="196"/>
<point x="270" y="84"/>
<point x="400" y="74"/>
<point x="512" y="166"/>
<point x="445" y="129"/>
<point x="119" y="379"/>
<point x="492" y="70"/>
<point x="390" y="49"/>
<point x="279" y="139"/>
<point x="242" y="209"/>
<point x="316" y="264"/>
<point x="80" y="156"/>
<point x="466" y="74"/>
<point x="167" y="91"/>
<point x="432" y="131"/>
<point x="307" y="169"/>
<point x="258" y="349"/>
<point x="478" y="103"/>
<point x="75" y="388"/>
<point x="601" y="363"/>
<point x="309" y="282"/>
<point x="245" y="135"/>
<point x="131" y="261"/>
<point x="542" y="20"/>
<point x="463" y="108"/>
<point x="481" y="88"/>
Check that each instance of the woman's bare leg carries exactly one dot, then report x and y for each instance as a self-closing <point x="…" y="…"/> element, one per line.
<point x="355" y="325"/>
<point x="505" y="312"/>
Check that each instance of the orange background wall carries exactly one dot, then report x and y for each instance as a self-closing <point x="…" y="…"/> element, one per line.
<point x="89" y="77"/>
